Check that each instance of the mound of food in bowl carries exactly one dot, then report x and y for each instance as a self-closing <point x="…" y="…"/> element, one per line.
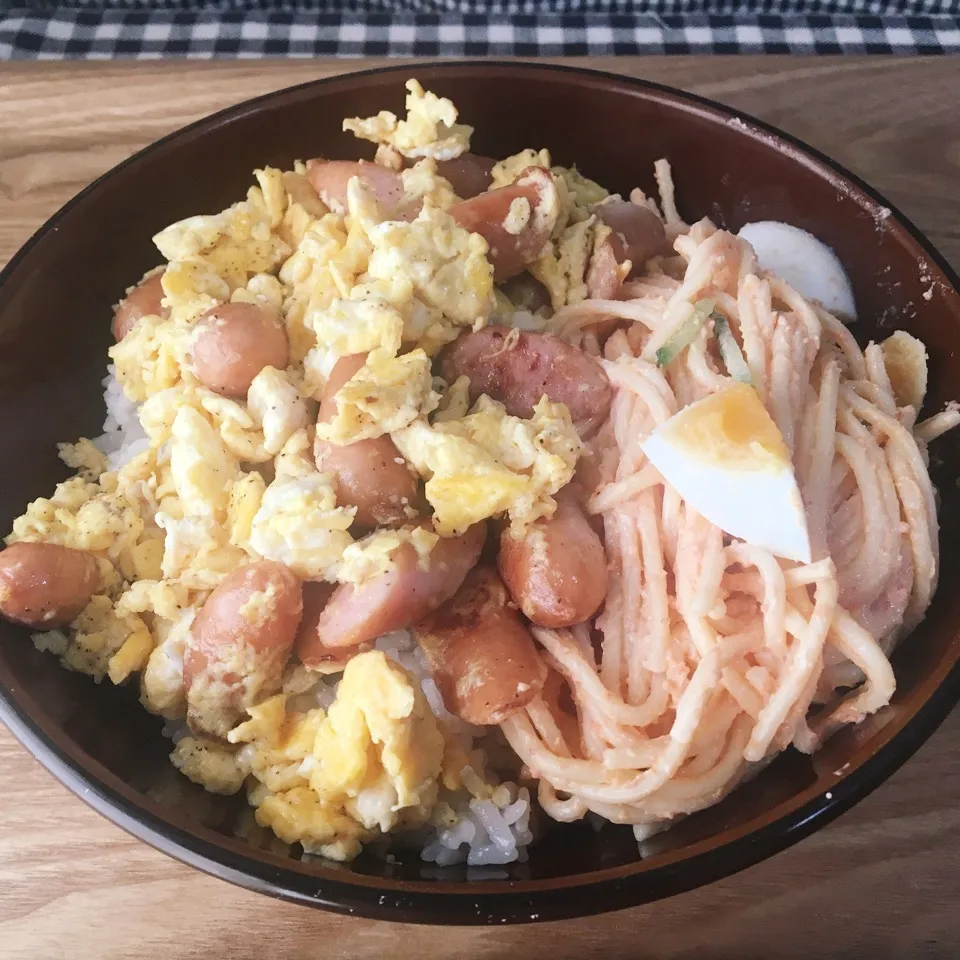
<point x="438" y="492"/>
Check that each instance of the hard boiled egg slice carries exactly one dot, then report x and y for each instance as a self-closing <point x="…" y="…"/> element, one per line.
<point x="726" y="458"/>
<point x="805" y="262"/>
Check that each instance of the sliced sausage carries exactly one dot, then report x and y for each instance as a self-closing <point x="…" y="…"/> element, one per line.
<point x="233" y="343"/>
<point x="144" y="300"/>
<point x="468" y="174"/>
<point x="635" y="234"/>
<point x="556" y="572"/>
<point x="514" y="241"/>
<point x="370" y="475"/>
<point x="307" y="645"/>
<point x="603" y="274"/>
<point x="480" y="653"/>
<point x="535" y="365"/>
<point x="330" y="179"/>
<point x="559" y="701"/>
<point x="402" y="595"/>
<point x="239" y="644"/>
<point x="44" y="585"/>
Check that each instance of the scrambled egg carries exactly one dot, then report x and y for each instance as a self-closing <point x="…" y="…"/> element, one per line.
<point x="430" y="129"/>
<point x="562" y="268"/>
<point x="373" y="554"/>
<point x="385" y="394"/>
<point x="333" y="781"/>
<point x="201" y="469"/>
<point x="506" y="171"/>
<point x="375" y="284"/>
<point x="489" y="462"/>
<point x="345" y="327"/>
<point x="208" y="764"/>
<point x="152" y="357"/>
<point x="380" y="749"/>
<point x="234" y="245"/>
<point x="276" y="407"/>
<point x="580" y="192"/>
<point x="83" y="516"/>
<point x="104" y="643"/>
<point x="422" y="181"/>
<point x="433" y="271"/>
<point x="300" y="525"/>
<point x="905" y="360"/>
<point x="217" y="482"/>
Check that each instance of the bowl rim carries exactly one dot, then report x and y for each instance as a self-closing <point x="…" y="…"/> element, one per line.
<point x="490" y="901"/>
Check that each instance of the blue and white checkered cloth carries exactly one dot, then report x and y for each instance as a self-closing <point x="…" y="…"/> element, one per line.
<point x="108" y="29"/>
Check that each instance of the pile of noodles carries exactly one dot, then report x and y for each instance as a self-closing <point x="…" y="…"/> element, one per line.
<point x="711" y="655"/>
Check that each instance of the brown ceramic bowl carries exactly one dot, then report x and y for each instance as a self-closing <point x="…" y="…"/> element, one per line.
<point x="54" y="330"/>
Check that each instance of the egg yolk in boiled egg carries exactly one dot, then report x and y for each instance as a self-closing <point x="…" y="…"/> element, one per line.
<point x="725" y="456"/>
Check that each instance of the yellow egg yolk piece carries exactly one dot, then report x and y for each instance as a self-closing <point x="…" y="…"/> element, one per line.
<point x="726" y="458"/>
<point x="731" y="427"/>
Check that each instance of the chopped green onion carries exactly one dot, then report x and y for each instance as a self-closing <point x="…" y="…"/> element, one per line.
<point x="730" y="350"/>
<point x="684" y="333"/>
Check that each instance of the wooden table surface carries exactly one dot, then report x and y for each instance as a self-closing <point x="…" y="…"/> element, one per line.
<point x="880" y="882"/>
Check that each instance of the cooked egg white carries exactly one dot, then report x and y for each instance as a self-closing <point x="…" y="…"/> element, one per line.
<point x="805" y="262"/>
<point x="905" y="360"/>
<point x="726" y="458"/>
<point x="202" y="470"/>
<point x="276" y="406"/>
<point x="429" y="130"/>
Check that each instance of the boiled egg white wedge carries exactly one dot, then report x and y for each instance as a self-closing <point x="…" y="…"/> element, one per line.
<point x="805" y="262"/>
<point x="726" y="458"/>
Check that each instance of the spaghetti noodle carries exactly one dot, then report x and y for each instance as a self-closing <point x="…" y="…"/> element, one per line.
<point x="714" y="655"/>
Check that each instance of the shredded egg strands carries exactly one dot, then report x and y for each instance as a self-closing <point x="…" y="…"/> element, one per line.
<point x="712" y="652"/>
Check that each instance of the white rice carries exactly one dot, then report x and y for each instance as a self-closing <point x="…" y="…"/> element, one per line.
<point x="484" y="832"/>
<point x="123" y="437"/>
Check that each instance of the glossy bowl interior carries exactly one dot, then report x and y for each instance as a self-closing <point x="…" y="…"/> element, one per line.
<point x="55" y="299"/>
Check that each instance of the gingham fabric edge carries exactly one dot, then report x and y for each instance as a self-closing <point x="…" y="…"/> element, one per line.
<point x="155" y="34"/>
<point x="904" y="8"/>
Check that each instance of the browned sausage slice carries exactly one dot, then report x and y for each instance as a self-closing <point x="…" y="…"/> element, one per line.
<point x="44" y="585"/>
<point x="370" y="475"/>
<point x="330" y="179"/>
<point x="233" y="343"/>
<point x="637" y="232"/>
<point x="144" y="300"/>
<point x="307" y="646"/>
<point x="403" y="595"/>
<point x="480" y="653"/>
<point x="534" y="366"/>
<point x="239" y="644"/>
<point x="468" y="174"/>
<point x="603" y="274"/>
<point x="515" y="241"/>
<point x="557" y="572"/>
